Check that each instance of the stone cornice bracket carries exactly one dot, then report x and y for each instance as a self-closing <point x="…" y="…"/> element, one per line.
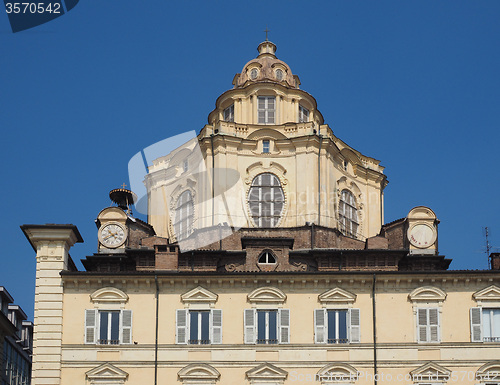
<point x="38" y="235"/>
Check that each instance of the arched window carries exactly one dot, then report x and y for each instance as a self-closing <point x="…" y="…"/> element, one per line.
<point x="348" y="214"/>
<point x="267" y="257"/>
<point x="266" y="200"/>
<point x="184" y="215"/>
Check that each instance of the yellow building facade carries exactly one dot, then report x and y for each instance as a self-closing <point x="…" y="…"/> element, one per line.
<point x="311" y="287"/>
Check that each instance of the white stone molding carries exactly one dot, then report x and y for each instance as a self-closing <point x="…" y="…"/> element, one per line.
<point x="198" y="373"/>
<point x="199" y="297"/>
<point x="489" y="372"/>
<point x="430" y="372"/>
<point x="267" y="295"/>
<point x="266" y="374"/>
<point x="337" y="297"/>
<point x="489" y="296"/>
<point x="109" y="298"/>
<point x="427" y="294"/>
<point x="106" y="374"/>
<point x="337" y="373"/>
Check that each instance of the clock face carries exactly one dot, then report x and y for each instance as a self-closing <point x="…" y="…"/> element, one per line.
<point x="422" y="236"/>
<point x="112" y="235"/>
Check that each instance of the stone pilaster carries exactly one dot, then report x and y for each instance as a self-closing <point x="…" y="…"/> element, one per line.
<point x="52" y="244"/>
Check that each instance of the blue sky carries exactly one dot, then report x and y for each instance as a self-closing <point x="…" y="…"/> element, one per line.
<point x="414" y="84"/>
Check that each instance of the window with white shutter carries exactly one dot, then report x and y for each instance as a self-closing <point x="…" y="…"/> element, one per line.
<point x="267" y="326"/>
<point x="216" y="327"/>
<point x="108" y="327"/>
<point x="485" y="324"/>
<point x="199" y="327"/>
<point x="181" y="326"/>
<point x="428" y="324"/>
<point x="249" y="326"/>
<point x="90" y="326"/>
<point x="337" y="326"/>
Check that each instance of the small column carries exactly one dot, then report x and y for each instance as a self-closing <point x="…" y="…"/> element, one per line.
<point x="51" y="243"/>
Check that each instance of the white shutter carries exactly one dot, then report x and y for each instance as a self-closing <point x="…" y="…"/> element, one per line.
<point x="250" y="326"/>
<point x="320" y="331"/>
<point x="434" y="324"/>
<point x="354" y="325"/>
<point x="422" y="324"/>
<point x="126" y="327"/>
<point x="284" y="322"/>
<point x="181" y="324"/>
<point x="476" y="322"/>
<point x="90" y="326"/>
<point x="216" y="326"/>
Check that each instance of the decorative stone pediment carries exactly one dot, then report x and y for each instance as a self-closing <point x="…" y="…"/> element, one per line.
<point x="267" y="294"/>
<point x="337" y="296"/>
<point x="109" y="295"/>
<point x="337" y="373"/>
<point x="487" y="295"/>
<point x="430" y="372"/>
<point x="199" y="294"/>
<point x="266" y="373"/>
<point x="488" y="371"/>
<point x="427" y="294"/>
<point x="202" y="373"/>
<point x="106" y="373"/>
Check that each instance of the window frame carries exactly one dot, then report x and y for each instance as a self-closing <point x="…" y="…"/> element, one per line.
<point x="228" y="113"/>
<point x="183" y="327"/>
<point x="348" y="219"/>
<point x="428" y="327"/>
<point x="258" y="204"/>
<point x="93" y="326"/>
<point x="251" y="325"/>
<point x="266" y="146"/>
<point x="267" y="253"/>
<point x="304" y="114"/>
<point x="266" y="110"/>
<point x="184" y="215"/>
<point x="321" y="325"/>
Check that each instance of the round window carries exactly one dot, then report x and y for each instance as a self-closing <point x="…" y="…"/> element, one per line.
<point x="253" y="74"/>
<point x="279" y="74"/>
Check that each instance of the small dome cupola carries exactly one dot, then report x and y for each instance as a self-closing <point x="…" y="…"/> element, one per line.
<point x="267" y="48"/>
<point x="266" y="67"/>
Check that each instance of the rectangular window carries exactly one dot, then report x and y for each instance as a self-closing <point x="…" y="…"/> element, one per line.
<point x="229" y="113"/>
<point x="199" y="327"/>
<point x="303" y="114"/>
<point x="336" y="326"/>
<point x="265" y="146"/>
<point x="266" y="109"/>
<point x="267" y="326"/>
<point x="428" y="324"/>
<point x="108" y="327"/>
<point x="491" y="325"/>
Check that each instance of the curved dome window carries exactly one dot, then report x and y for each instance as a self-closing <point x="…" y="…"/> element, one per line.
<point x="266" y="200"/>
<point x="279" y="74"/>
<point x="254" y="73"/>
<point x="184" y="215"/>
<point x="267" y="257"/>
<point x="348" y="214"/>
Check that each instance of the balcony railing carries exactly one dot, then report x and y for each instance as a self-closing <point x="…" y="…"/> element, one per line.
<point x="338" y="340"/>
<point x="491" y="339"/>
<point x="108" y="342"/>
<point x="199" y="342"/>
<point x="268" y="341"/>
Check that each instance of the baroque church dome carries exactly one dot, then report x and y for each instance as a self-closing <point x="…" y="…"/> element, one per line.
<point x="266" y="68"/>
